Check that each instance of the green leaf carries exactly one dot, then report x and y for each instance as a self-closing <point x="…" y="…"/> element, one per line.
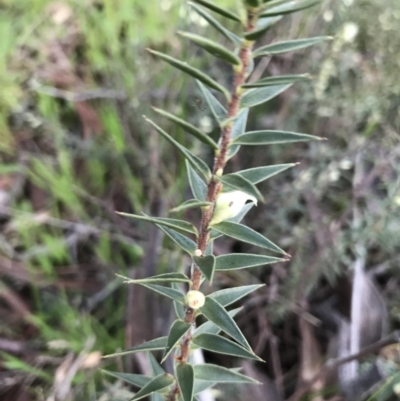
<point x="189" y="204"/>
<point x="236" y="261"/>
<point x="152" y="345"/>
<point x="175" y="224"/>
<point x="277" y="80"/>
<point x="137" y="380"/>
<point x="201" y="385"/>
<point x="206" y="264"/>
<point x="196" y="162"/>
<point x="216" y="108"/>
<point x="214" y="23"/>
<point x="218" y="10"/>
<point x="194" y="72"/>
<point x="272" y="137"/>
<point x="236" y="181"/>
<point x="209" y="249"/>
<point x="156" y="384"/>
<point x="239" y="128"/>
<point x="185" y="377"/>
<point x="210" y="327"/>
<point x="210" y="372"/>
<point x="216" y="313"/>
<point x="212" y="47"/>
<point x="289" y="7"/>
<point x="179" y="310"/>
<point x="222" y="345"/>
<point x="184" y="242"/>
<point x="167" y="292"/>
<point x="288" y="46"/>
<point x="263" y="24"/>
<point x="230" y="295"/>
<point x="177" y="331"/>
<point x="259" y="174"/>
<point x="160" y="278"/>
<point x="198" y="186"/>
<point x="155" y="366"/>
<point x="191" y="129"/>
<point x="256" y="96"/>
<point x="246" y="234"/>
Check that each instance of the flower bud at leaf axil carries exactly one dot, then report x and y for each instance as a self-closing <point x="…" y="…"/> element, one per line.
<point x="195" y="299"/>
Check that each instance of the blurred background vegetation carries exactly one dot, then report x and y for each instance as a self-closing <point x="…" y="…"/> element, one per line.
<point x="75" y="80"/>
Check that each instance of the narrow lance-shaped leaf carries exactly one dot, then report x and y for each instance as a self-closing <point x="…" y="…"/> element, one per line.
<point x="197" y="163"/>
<point x="166" y="291"/>
<point x="256" y="96"/>
<point x="240" y="183"/>
<point x="221" y="345"/>
<point x="198" y="186"/>
<point x="214" y="23"/>
<point x="212" y="47"/>
<point x="177" y="331"/>
<point x="185" y="377"/>
<point x="210" y="372"/>
<point x="273" y="137"/>
<point x="235" y="261"/>
<point x="158" y="383"/>
<point x="239" y="128"/>
<point x="152" y="345"/>
<point x="194" y="72"/>
<point x="259" y="174"/>
<point x="216" y="108"/>
<point x="137" y="380"/>
<point x="230" y="295"/>
<point x="263" y="24"/>
<point x="210" y="327"/>
<point x="189" y="204"/>
<point x="288" y="7"/>
<point x="277" y="80"/>
<point x="218" y="10"/>
<point x="206" y="264"/>
<point x="160" y="278"/>
<point x="155" y="366"/>
<point x="288" y="46"/>
<point x="215" y="312"/>
<point x="246" y="234"/>
<point x="178" y="307"/>
<point x="175" y="224"/>
<point x="191" y="129"/>
<point x="184" y="242"/>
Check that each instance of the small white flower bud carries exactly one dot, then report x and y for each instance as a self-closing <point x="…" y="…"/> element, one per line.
<point x="198" y="252"/>
<point x="195" y="299"/>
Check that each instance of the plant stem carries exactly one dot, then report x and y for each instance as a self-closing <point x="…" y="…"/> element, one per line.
<point x="214" y="186"/>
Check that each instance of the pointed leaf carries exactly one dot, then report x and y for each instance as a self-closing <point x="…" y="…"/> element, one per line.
<point x="189" y="204"/>
<point x="246" y="234"/>
<point x="216" y="108"/>
<point x="177" y="331"/>
<point x="194" y="72"/>
<point x="222" y="345"/>
<point x="215" y="312"/>
<point x="259" y="174"/>
<point x="152" y="345"/>
<point x="201" y="385"/>
<point x="191" y="129"/>
<point x="167" y="292"/>
<point x="239" y="128"/>
<point x="137" y="380"/>
<point x="210" y="372"/>
<point x="271" y="137"/>
<point x="185" y="377"/>
<point x="214" y="23"/>
<point x="179" y="310"/>
<point x="263" y="24"/>
<point x="206" y="264"/>
<point x="230" y="295"/>
<point x="175" y="224"/>
<point x="184" y="242"/>
<point x="198" y="186"/>
<point x="218" y="10"/>
<point x="236" y="181"/>
<point x="235" y="261"/>
<point x="289" y="7"/>
<point x="210" y="327"/>
<point x="156" y="384"/>
<point x="160" y="278"/>
<point x="256" y="96"/>
<point x="277" y="80"/>
<point x="209" y="248"/>
<point x="212" y="47"/>
<point x="288" y="46"/>
<point x="155" y="366"/>
<point x="197" y="163"/>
